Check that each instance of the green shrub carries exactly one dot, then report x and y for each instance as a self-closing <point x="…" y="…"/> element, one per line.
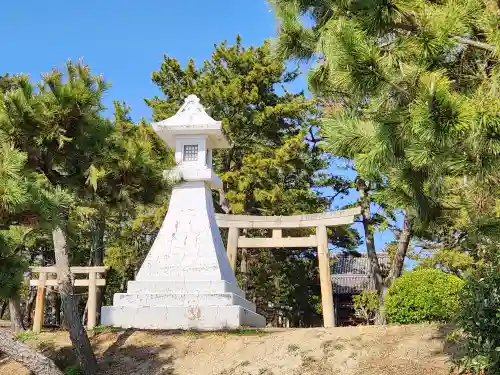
<point x="427" y="295"/>
<point x="478" y="321"/>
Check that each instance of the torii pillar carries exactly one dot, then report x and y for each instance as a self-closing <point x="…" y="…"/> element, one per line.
<point x="186" y="281"/>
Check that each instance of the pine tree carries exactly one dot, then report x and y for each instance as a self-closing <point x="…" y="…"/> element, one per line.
<point x="14" y="198"/>
<point x="421" y="75"/>
<point x="106" y="168"/>
<point x="415" y="84"/>
<point x="19" y="200"/>
<point x="60" y="129"/>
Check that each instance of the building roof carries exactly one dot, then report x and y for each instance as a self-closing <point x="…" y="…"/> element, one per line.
<point x="351" y="274"/>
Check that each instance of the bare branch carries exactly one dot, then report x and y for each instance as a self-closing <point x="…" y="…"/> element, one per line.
<point x="473" y="43"/>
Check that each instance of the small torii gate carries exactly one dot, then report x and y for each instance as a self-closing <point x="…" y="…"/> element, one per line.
<point x="95" y="280"/>
<point x="277" y="223"/>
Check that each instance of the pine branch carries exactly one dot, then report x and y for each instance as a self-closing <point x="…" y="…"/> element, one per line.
<point x="314" y="140"/>
<point x="473" y="43"/>
<point x="412" y="27"/>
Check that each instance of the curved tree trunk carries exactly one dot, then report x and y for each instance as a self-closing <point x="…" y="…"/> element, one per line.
<point x="24" y="354"/>
<point x="16" y="318"/>
<point x="375" y="270"/>
<point x="77" y="334"/>
<point x="403" y="243"/>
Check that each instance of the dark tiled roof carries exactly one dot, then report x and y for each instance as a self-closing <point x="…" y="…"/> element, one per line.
<point x="350" y="274"/>
<point x="352" y="284"/>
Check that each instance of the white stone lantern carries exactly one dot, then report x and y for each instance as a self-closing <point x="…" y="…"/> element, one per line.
<point x="186" y="280"/>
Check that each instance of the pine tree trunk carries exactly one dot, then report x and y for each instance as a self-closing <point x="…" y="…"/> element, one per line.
<point x="223" y="202"/>
<point x="123" y="284"/>
<point x="52" y="302"/>
<point x="77" y="334"/>
<point x="244" y="270"/>
<point x="375" y="270"/>
<point x="16" y="318"/>
<point x="98" y="258"/>
<point x="4" y="307"/>
<point x="30" y="303"/>
<point x="58" y="311"/>
<point x="403" y="243"/>
<point x="24" y="354"/>
<point x="226" y="167"/>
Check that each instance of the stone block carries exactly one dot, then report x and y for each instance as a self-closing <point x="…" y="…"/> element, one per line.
<point x="181" y="317"/>
<point x="187" y="287"/>
<point x="181" y="299"/>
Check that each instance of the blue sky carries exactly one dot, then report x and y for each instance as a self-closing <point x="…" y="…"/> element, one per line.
<point x="126" y="40"/>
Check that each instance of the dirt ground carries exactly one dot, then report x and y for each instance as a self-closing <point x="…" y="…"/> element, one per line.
<point x="369" y="350"/>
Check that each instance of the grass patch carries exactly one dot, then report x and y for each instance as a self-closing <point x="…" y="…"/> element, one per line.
<point x="244" y="363"/>
<point x="338" y="347"/>
<point x="293" y="348"/>
<point x="245" y="332"/>
<point x="308" y="360"/>
<point x="26" y="336"/>
<point x="192" y="333"/>
<point x="73" y="370"/>
<point x="329" y="346"/>
<point x="232" y="332"/>
<point x="265" y="371"/>
<point x="105" y="329"/>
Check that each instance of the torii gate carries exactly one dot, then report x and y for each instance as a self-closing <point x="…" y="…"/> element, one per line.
<point x="277" y="223"/>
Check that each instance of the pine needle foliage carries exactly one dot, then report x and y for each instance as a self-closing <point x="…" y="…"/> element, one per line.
<point x="417" y="83"/>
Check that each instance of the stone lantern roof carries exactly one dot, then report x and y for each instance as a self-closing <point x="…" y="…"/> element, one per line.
<point x="191" y="119"/>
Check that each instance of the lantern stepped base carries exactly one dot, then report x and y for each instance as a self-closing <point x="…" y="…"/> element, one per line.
<point x="209" y="317"/>
<point x="188" y="287"/>
<point x="178" y="299"/>
<point x="204" y="305"/>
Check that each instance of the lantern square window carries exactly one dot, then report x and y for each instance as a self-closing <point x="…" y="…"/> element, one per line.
<point x="190" y="153"/>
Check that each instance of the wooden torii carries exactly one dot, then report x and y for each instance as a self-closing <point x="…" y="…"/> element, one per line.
<point x="277" y="223"/>
<point x="47" y="276"/>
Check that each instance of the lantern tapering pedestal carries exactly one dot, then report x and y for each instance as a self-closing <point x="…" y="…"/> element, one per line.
<point x="186" y="281"/>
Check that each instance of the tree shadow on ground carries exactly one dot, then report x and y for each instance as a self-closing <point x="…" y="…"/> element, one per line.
<point x="122" y="358"/>
<point x="451" y="347"/>
<point x="119" y="358"/>
<point x="117" y="355"/>
<point x="63" y="357"/>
